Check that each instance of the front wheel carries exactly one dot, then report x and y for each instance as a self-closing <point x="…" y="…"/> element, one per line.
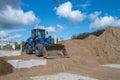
<point x="39" y="50"/>
<point x="28" y="49"/>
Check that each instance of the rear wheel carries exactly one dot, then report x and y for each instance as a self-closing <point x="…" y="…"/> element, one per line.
<point x="28" y="49"/>
<point x="39" y="50"/>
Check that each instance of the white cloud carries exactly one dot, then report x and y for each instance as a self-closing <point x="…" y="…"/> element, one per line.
<point x="13" y="3"/>
<point x="15" y="30"/>
<point x="3" y="34"/>
<point x="13" y="15"/>
<point x="84" y="6"/>
<point x="15" y="36"/>
<point x="50" y="29"/>
<point x="103" y="22"/>
<point x="65" y="10"/>
<point x="39" y="27"/>
<point x="95" y="15"/>
<point x="60" y="27"/>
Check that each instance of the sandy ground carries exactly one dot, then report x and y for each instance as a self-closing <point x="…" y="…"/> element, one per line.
<point x="62" y="76"/>
<point x="74" y="65"/>
<point x="64" y="65"/>
<point x="86" y="59"/>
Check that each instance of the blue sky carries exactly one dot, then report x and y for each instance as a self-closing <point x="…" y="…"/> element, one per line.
<point x="19" y="17"/>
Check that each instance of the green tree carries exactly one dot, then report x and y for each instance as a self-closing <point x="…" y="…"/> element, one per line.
<point x="17" y="46"/>
<point x="23" y="45"/>
<point x="85" y="35"/>
<point x="74" y="37"/>
<point x="98" y="32"/>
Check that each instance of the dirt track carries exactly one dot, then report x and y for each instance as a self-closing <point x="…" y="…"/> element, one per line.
<point x="83" y="60"/>
<point x="72" y="65"/>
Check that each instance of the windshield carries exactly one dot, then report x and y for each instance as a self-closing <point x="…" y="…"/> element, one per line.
<point x="38" y="33"/>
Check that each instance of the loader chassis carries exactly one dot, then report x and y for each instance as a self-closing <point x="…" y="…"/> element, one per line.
<point x="41" y="45"/>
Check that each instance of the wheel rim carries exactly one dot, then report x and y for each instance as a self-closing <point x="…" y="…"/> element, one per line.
<point x="37" y="51"/>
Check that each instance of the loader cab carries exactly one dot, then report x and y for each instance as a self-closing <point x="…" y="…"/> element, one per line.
<point x="38" y="33"/>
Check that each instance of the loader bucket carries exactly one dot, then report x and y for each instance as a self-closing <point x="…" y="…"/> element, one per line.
<point x="56" y="51"/>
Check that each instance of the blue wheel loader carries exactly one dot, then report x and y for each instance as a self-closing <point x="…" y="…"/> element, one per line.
<point x="41" y="45"/>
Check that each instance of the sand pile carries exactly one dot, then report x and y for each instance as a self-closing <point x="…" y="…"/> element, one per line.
<point x="96" y="50"/>
<point x="5" y="67"/>
<point x="7" y="47"/>
<point x="81" y="52"/>
<point x="108" y="46"/>
<point x="91" y="37"/>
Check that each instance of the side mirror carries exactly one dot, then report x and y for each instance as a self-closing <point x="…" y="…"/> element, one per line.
<point x="46" y="32"/>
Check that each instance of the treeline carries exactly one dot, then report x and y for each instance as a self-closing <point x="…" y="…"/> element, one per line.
<point x="85" y="35"/>
<point x="18" y="46"/>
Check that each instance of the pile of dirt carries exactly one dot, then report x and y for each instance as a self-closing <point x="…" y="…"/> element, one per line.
<point x="5" y="67"/>
<point x="108" y="46"/>
<point x="96" y="50"/>
<point x="80" y="52"/>
<point x="7" y="47"/>
<point x="91" y="37"/>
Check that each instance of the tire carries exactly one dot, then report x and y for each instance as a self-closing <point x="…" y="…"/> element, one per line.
<point x="39" y="50"/>
<point x="28" y="49"/>
<point x="44" y="52"/>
